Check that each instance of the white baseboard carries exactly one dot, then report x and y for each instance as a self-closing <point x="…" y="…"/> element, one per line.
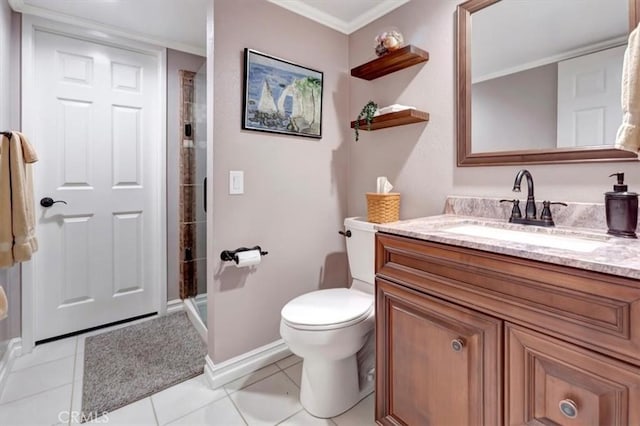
<point x="201" y="298"/>
<point x="201" y="302"/>
<point x="234" y="368"/>
<point x="174" y="305"/>
<point x="189" y="305"/>
<point x="14" y="349"/>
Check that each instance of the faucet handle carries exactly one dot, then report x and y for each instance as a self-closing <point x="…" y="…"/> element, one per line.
<point x="546" y="211"/>
<point x="515" y="211"/>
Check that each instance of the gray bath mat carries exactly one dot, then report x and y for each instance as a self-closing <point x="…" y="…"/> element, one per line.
<point x="125" y="365"/>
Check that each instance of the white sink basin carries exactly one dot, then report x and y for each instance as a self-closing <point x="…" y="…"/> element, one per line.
<point x="565" y="242"/>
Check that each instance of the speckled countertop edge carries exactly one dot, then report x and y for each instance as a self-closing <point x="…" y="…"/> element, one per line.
<point x="619" y="256"/>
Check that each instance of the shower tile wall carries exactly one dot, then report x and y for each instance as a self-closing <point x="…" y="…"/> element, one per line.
<point x="192" y="218"/>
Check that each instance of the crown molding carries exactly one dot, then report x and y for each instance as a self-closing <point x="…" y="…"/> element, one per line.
<point x="345" y="27"/>
<point x="300" y="8"/>
<point x="374" y="13"/>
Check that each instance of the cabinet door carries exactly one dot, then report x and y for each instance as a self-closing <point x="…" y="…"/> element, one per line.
<point x="437" y="363"/>
<point x="550" y="382"/>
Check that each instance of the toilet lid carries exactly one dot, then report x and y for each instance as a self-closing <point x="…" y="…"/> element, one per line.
<point x="328" y="307"/>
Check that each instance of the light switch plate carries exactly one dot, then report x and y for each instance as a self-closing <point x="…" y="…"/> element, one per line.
<point x="236" y="182"/>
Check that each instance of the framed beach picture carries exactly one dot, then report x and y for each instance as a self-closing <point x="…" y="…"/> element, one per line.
<point x="281" y="97"/>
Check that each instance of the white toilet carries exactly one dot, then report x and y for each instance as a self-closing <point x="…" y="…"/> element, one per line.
<point x="327" y="328"/>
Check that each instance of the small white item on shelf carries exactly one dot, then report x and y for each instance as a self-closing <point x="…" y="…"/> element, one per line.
<point x="392" y="108"/>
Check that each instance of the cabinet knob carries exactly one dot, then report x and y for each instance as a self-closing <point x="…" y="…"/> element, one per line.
<point x="568" y="408"/>
<point x="457" y="344"/>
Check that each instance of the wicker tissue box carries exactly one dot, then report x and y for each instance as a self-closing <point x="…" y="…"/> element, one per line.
<point x="383" y="208"/>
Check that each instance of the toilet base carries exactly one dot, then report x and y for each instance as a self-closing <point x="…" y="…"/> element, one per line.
<point x="335" y="386"/>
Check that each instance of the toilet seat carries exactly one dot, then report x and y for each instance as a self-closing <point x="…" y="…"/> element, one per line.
<point x="327" y="309"/>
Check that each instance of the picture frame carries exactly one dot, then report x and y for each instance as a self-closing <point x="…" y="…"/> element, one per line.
<point x="281" y="96"/>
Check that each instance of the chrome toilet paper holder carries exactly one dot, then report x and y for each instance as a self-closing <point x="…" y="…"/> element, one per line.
<point x="232" y="255"/>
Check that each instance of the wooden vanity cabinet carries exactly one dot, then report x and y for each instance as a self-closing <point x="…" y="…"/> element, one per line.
<point x="466" y="337"/>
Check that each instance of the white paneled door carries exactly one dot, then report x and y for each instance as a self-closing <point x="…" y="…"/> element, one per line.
<point x="589" y="108"/>
<point x="97" y="132"/>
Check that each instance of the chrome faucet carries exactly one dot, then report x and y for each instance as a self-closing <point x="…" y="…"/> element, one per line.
<point x="530" y="209"/>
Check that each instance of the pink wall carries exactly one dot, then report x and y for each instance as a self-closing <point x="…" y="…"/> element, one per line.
<point x="298" y="190"/>
<point x="295" y="188"/>
<point x="420" y="159"/>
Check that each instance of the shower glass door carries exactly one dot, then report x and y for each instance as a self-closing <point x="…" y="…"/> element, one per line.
<point x="200" y="165"/>
<point x="192" y="196"/>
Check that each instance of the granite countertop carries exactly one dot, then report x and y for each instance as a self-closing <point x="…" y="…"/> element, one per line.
<point x="613" y="255"/>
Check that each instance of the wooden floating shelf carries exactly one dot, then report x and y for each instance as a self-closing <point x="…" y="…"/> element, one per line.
<point x="391" y="62"/>
<point x="393" y="119"/>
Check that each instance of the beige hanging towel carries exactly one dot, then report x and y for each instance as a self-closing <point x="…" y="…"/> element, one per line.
<point x="17" y="220"/>
<point x="3" y="304"/>
<point x="628" y="137"/>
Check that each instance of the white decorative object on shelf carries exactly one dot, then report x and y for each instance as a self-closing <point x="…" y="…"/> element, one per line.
<point x="388" y="41"/>
<point x="392" y="108"/>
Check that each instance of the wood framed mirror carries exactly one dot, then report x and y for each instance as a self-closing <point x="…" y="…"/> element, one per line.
<point x="509" y="86"/>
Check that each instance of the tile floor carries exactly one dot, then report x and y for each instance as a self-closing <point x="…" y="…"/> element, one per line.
<point x="45" y="388"/>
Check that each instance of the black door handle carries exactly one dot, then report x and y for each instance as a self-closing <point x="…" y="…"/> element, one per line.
<point x="48" y="202"/>
<point x="204" y="194"/>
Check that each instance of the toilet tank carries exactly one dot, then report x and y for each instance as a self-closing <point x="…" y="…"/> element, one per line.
<point x="361" y="248"/>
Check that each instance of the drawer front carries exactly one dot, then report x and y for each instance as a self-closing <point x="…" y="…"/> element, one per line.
<point x="551" y="382"/>
<point x="592" y="309"/>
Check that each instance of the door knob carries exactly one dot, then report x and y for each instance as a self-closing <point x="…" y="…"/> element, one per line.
<point x="48" y="202"/>
<point x="569" y="408"/>
<point x="457" y="344"/>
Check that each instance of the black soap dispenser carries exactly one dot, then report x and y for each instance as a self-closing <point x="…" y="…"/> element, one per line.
<point x="621" y="207"/>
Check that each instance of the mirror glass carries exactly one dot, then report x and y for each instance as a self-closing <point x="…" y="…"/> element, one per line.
<point x="542" y="75"/>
